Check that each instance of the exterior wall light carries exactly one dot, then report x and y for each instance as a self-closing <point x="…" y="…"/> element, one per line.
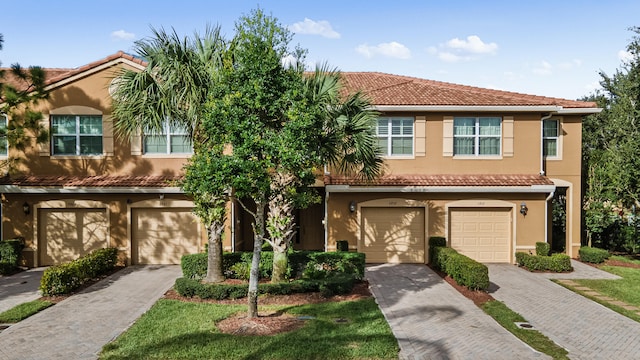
<point x="352" y="206"/>
<point x="523" y="208"/>
<point x="26" y="208"/>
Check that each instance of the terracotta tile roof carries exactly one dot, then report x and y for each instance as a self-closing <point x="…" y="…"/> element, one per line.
<point x="91" y="181"/>
<point x="444" y="180"/>
<point x="388" y="89"/>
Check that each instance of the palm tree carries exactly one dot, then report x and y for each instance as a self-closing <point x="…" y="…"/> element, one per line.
<point x="173" y="90"/>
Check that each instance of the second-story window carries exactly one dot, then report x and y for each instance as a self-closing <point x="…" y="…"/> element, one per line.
<point x="172" y="140"/>
<point x="76" y="134"/>
<point x="4" y="143"/>
<point x="550" y="134"/>
<point x="395" y="135"/>
<point x="477" y="136"/>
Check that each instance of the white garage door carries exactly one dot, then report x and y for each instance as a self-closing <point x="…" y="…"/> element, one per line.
<point x="163" y="235"/>
<point x="482" y="234"/>
<point x="67" y="234"/>
<point x="393" y="235"/>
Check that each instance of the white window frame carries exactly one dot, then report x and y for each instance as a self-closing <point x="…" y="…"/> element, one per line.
<point x="389" y="136"/>
<point x="557" y="139"/>
<point x="477" y="136"/>
<point x="4" y="122"/>
<point x="168" y="134"/>
<point x="77" y="135"/>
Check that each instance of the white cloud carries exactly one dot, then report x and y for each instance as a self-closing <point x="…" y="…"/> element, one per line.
<point x="122" y="35"/>
<point x="625" y="56"/>
<point x="392" y="49"/>
<point x="544" y="68"/>
<point x="567" y="65"/>
<point x="593" y="87"/>
<point x="311" y="27"/>
<point x="456" y="50"/>
<point x="473" y="44"/>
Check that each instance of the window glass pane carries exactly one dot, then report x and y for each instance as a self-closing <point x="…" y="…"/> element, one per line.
<point x="401" y="146"/>
<point x="463" y="146"/>
<point x="63" y="125"/>
<point x="91" y="125"/>
<point x="407" y="127"/>
<point x="180" y="144"/>
<point x="155" y="144"/>
<point x="464" y="126"/>
<point x="489" y="146"/>
<point x="383" y="126"/>
<point x="383" y="144"/>
<point x="489" y="126"/>
<point x="396" y="126"/>
<point x="178" y="130"/>
<point x="64" y="145"/>
<point x="550" y="147"/>
<point x="550" y="128"/>
<point x="90" y="145"/>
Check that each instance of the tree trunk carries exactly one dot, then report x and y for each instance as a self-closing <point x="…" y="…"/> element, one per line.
<point x="280" y="265"/>
<point x="258" y="237"/>
<point x="215" y="272"/>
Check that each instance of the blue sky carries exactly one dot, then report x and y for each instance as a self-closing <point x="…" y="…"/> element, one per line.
<point x="552" y="48"/>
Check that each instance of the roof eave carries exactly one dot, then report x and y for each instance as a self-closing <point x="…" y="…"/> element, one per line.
<point x="491" y="108"/>
<point x="545" y="189"/>
<point x="16" y="189"/>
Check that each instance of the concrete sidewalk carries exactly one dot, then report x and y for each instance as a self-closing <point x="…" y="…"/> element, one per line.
<point x="78" y="327"/>
<point x="431" y="320"/>
<point x="585" y="328"/>
<point x="20" y="288"/>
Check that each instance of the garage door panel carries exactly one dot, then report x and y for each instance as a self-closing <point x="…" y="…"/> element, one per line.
<point x="482" y="234"/>
<point x="164" y="235"/>
<point x="67" y="234"/>
<point x="394" y="235"/>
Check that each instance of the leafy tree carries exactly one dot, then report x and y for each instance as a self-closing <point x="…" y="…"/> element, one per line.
<point x="173" y="88"/>
<point x="20" y="90"/>
<point x="611" y="144"/>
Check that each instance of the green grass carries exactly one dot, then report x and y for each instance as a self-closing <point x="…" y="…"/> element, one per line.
<point x="507" y="318"/>
<point x="627" y="259"/>
<point x="626" y="289"/>
<point x="23" y="311"/>
<point x="173" y="329"/>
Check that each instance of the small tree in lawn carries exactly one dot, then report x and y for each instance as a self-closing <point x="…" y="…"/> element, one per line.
<point x="20" y="90"/>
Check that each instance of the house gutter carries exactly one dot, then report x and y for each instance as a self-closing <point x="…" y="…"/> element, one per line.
<point x="439" y="189"/>
<point x="14" y="189"/>
<point x="494" y="108"/>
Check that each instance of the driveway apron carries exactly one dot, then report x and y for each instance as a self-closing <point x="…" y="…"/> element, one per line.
<point x="20" y="288"/>
<point x="585" y="328"/>
<point x="431" y="320"/>
<point x="79" y="326"/>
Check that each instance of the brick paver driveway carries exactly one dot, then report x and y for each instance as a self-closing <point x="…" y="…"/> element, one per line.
<point x="585" y="328"/>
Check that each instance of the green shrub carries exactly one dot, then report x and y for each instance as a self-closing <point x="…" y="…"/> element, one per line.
<point x="324" y="264"/>
<point x="67" y="277"/>
<point x="593" y="255"/>
<point x="437" y="241"/>
<point x="342" y="245"/>
<point x="464" y="270"/>
<point x="194" y="266"/>
<point x="543" y="248"/>
<point x="337" y="284"/>
<point x="10" y="251"/>
<point x="555" y="262"/>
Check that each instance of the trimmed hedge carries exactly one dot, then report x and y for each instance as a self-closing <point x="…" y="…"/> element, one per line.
<point x="464" y="270"/>
<point x="67" y="277"/>
<point x="310" y="263"/>
<point x="593" y="255"/>
<point x="10" y="251"/>
<point x="555" y="262"/>
<point x="337" y="284"/>
<point x="435" y="241"/>
<point x="543" y="249"/>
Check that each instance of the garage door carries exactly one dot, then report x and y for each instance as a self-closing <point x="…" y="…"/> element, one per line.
<point x="162" y="236"/>
<point x="483" y="235"/>
<point x="393" y="235"/>
<point x="67" y="234"/>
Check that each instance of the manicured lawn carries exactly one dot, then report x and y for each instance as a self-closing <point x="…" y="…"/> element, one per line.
<point x="507" y="318"/>
<point x="625" y="259"/>
<point x="23" y="311"/>
<point x="173" y="329"/>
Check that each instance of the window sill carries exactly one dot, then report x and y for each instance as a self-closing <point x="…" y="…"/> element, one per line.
<point x="477" y="157"/>
<point x="398" y="157"/>
<point x="167" y="156"/>
<point x="76" y="157"/>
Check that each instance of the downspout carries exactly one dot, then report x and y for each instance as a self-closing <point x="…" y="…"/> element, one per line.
<point x="542" y="119"/>
<point x="326" y="210"/>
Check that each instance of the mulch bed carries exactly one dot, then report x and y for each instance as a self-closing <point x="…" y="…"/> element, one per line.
<point x="271" y="322"/>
